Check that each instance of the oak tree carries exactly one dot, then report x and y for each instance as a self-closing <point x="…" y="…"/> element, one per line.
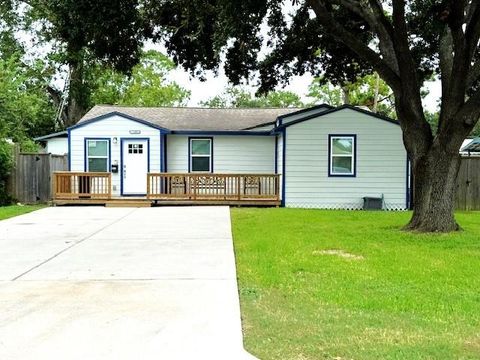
<point x="405" y="41"/>
<point x="81" y="33"/>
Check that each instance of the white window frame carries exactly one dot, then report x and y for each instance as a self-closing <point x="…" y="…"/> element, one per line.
<point x="352" y="156"/>
<point x="191" y="155"/>
<point x="87" y="156"/>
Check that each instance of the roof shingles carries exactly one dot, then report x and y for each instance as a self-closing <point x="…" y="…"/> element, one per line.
<point x="195" y="119"/>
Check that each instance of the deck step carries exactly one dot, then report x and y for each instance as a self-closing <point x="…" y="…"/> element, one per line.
<point x="130" y="203"/>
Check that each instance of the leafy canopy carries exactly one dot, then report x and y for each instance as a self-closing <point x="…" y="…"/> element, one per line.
<point x="25" y="108"/>
<point x="198" y="34"/>
<point x="237" y="97"/>
<point x="109" y="31"/>
<point x="147" y="85"/>
<point x="368" y="91"/>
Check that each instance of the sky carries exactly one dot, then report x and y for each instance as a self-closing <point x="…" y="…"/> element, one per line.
<point x="216" y="84"/>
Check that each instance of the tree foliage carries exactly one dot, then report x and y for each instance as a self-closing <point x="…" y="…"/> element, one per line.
<point x="237" y="97"/>
<point x="146" y="86"/>
<point x="109" y="31"/>
<point x="25" y="108"/>
<point x="367" y="91"/>
<point x="82" y="33"/>
<point x="197" y="33"/>
<point x="6" y="158"/>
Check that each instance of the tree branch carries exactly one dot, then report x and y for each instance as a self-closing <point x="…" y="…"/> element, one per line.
<point x="445" y="52"/>
<point x="407" y="65"/>
<point x="470" y="111"/>
<point x="470" y="10"/>
<point x="474" y="74"/>
<point x="376" y="19"/>
<point x="385" y="34"/>
<point x="349" y="39"/>
<point x="55" y="95"/>
<point x="472" y="29"/>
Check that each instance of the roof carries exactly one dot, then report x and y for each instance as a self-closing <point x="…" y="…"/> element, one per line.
<point x="195" y="119"/>
<point x="315" y="108"/>
<point x="339" y="108"/>
<point x="472" y="146"/>
<point x="59" y="134"/>
<point x="232" y="120"/>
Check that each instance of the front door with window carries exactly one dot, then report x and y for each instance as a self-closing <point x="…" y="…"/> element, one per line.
<point x="134" y="166"/>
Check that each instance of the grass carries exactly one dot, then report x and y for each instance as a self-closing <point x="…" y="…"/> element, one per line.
<point x="15" y="210"/>
<point x="381" y="294"/>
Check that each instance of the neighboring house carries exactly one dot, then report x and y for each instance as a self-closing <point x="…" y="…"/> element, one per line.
<point x="56" y="144"/>
<point x="470" y="147"/>
<point x="321" y="157"/>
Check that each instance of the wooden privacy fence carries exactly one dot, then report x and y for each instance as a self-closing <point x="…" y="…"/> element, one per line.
<point x="468" y="184"/>
<point x="82" y="185"/>
<point x="234" y="187"/>
<point x="30" y="181"/>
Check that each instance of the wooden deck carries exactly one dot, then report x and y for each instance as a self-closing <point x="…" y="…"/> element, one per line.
<point x="83" y="188"/>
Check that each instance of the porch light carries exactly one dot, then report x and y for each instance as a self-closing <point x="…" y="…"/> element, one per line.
<point x="115" y="140"/>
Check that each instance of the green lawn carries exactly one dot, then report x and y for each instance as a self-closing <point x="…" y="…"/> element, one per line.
<point x="15" y="210"/>
<point x="382" y="294"/>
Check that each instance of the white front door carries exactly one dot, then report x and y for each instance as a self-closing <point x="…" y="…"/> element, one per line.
<point x="134" y="166"/>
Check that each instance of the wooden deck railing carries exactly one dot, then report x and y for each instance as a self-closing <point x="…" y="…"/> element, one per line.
<point x="200" y="186"/>
<point x="82" y="185"/>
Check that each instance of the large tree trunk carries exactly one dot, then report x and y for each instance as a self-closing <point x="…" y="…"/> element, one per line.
<point x="436" y="162"/>
<point x="435" y="177"/>
<point x="78" y="94"/>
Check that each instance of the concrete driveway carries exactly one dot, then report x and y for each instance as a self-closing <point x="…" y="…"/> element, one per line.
<point x="119" y="283"/>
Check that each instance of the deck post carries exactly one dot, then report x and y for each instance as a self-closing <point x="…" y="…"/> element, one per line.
<point x="148" y="185"/>
<point x="277" y="187"/>
<point x="238" y="187"/>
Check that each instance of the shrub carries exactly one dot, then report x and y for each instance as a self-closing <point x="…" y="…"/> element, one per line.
<point x="6" y="165"/>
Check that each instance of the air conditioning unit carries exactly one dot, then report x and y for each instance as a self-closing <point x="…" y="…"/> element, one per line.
<point x="373" y="203"/>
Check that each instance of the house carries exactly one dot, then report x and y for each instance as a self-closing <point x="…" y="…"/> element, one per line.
<point x="470" y="147"/>
<point x="56" y="143"/>
<point x="320" y="157"/>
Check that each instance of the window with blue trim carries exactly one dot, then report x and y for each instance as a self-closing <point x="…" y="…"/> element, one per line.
<point x="97" y="155"/>
<point x="342" y="155"/>
<point x="201" y="155"/>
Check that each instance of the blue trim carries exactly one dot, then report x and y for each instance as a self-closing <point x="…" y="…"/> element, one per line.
<point x="284" y="170"/>
<point x="162" y="160"/>
<point x="412" y="186"/>
<point x="261" y="125"/>
<point x="117" y="113"/>
<point x="354" y="136"/>
<point x="222" y="132"/>
<point x="313" y="108"/>
<point x="211" y="151"/>
<point x="121" y="161"/>
<point x="409" y="181"/>
<point x="343" y="107"/>
<point x="60" y="134"/>
<point x="165" y="153"/>
<point x="276" y="154"/>
<point x="472" y="146"/>
<point x="407" y="187"/>
<point x="85" y="150"/>
<point x="69" y="151"/>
